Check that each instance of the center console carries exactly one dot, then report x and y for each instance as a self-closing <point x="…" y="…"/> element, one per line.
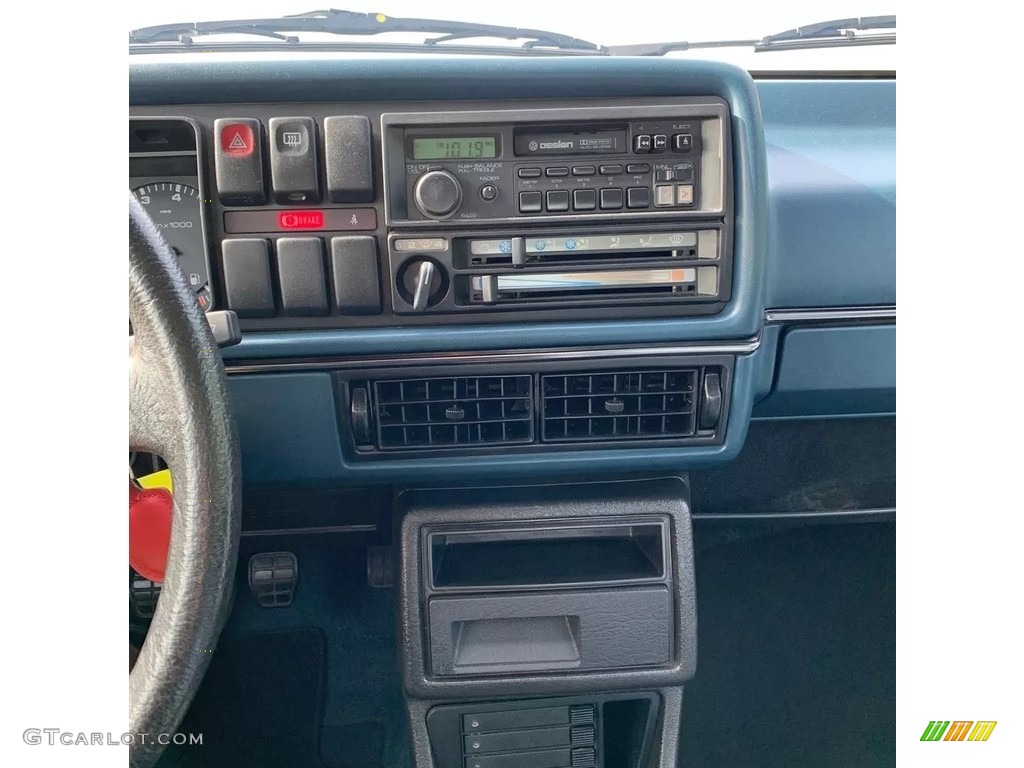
<point x="546" y="625"/>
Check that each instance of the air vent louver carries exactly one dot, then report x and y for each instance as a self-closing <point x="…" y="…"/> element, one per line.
<point x="453" y="412"/>
<point x="619" y="405"/>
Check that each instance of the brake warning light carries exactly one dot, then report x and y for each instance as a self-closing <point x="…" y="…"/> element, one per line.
<point x="301" y="220"/>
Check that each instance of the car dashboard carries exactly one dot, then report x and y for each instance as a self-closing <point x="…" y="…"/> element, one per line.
<point x="559" y="277"/>
<point x="517" y="322"/>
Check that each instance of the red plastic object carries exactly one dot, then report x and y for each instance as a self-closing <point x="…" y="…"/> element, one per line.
<point x="149" y="530"/>
<point x="237" y="139"/>
<point x="301" y="220"/>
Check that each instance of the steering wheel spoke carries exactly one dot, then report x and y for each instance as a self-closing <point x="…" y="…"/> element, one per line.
<point x="151" y="416"/>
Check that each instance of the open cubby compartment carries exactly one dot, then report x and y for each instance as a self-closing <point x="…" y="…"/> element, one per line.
<point x="541" y="556"/>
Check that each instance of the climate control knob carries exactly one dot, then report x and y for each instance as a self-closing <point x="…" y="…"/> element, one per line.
<point x="422" y="282"/>
<point x="437" y="194"/>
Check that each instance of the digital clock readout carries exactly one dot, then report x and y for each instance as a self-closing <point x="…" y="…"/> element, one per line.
<point x="454" y="148"/>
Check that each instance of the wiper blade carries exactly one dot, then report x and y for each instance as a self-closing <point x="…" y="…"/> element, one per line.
<point x="839" y="30"/>
<point x="338" y="22"/>
<point x="825" y="34"/>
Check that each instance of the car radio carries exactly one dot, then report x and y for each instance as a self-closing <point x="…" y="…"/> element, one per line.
<point x="610" y="163"/>
<point x="584" y="208"/>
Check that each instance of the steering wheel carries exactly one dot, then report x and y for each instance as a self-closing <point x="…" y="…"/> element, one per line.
<point x="179" y="409"/>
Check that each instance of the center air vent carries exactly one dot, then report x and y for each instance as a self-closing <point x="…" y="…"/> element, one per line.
<point x="559" y="405"/>
<point x="619" y="405"/>
<point x="453" y="412"/>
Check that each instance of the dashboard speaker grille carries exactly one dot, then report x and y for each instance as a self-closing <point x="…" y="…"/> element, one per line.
<point x="619" y="405"/>
<point x="453" y="411"/>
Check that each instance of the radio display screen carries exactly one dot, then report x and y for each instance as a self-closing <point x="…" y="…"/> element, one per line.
<point x="454" y="148"/>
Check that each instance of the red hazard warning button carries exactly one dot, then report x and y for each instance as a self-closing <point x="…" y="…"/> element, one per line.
<point x="238" y="161"/>
<point x="237" y="139"/>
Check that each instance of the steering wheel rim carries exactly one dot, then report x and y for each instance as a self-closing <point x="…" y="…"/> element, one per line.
<point x="179" y="409"/>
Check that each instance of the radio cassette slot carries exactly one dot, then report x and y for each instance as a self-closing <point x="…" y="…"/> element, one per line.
<point x="573" y="286"/>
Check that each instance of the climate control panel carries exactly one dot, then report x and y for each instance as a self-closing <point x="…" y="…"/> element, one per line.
<point x="457" y="272"/>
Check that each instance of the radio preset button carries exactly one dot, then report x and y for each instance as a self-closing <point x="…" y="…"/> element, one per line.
<point x="611" y="198"/>
<point x="684" y="172"/>
<point x="664" y="195"/>
<point x="638" y="197"/>
<point x="530" y="202"/>
<point x="558" y="200"/>
<point x="611" y="170"/>
<point x="682" y="142"/>
<point x="584" y="199"/>
<point x="660" y="143"/>
<point x="583" y="170"/>
<point x="684" y="194"/>
<point x="529" y="173"/>
<point x="642" y="143"/>
<point x="638" y="168"/>
<point x="557" y="171"/>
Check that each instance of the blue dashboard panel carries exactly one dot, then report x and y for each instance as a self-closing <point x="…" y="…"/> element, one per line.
<point x="832" y="192"/>
<point x="834" y="372"/>
<point x="170" y="80"/>
<point x="288" y="427"/>
<point x="815" y="203"/>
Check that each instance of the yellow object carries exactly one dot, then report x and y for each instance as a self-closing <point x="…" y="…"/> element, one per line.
<point x="161" y="479"/>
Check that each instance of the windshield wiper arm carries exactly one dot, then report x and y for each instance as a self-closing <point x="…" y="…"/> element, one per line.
<point x="338" y="22"/>
<point x="825" y="34"/>
<point x="840" y="30"/>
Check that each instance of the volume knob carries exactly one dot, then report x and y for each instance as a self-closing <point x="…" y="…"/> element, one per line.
<point x="437" y="194"/>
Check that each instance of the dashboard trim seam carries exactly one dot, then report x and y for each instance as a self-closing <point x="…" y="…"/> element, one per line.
<point x="479" y="358"/>
<point x="824" y="314"/>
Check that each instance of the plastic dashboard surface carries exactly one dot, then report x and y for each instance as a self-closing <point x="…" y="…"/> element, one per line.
<point x="814" y="186"/>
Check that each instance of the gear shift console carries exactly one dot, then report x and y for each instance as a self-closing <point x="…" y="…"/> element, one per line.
<point x="542" y="601"/>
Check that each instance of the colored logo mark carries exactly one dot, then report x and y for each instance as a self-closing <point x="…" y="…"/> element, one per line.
<point x="958" y="730"/>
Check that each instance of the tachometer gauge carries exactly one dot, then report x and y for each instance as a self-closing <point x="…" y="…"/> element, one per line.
<point x="177" y="211"/>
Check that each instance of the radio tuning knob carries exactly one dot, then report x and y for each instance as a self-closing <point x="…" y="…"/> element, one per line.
<point x="437" y="194"/>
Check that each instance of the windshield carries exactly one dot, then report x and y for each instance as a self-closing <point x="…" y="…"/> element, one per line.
<point x="594" y="21"/>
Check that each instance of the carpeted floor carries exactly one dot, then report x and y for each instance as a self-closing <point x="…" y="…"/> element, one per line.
<point x="796" y="661"/>
<point x="796" y="651"/>
<point x="313" y="685"/>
